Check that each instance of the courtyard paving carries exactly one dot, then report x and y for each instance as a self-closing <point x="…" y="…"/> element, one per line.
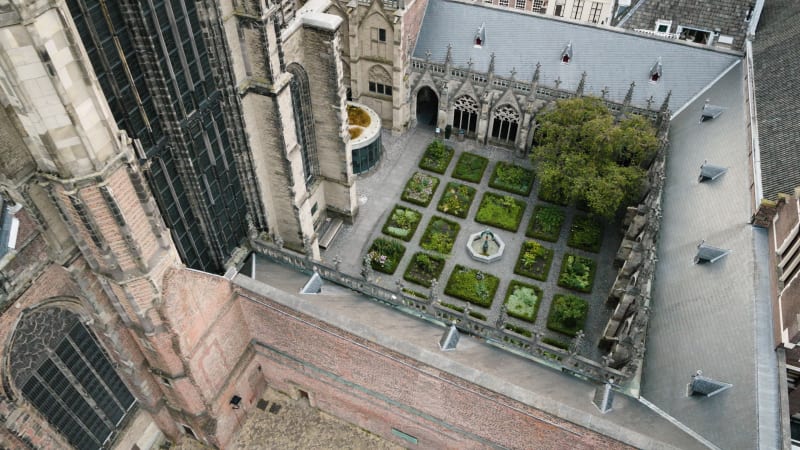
<point x="380" y="190"/>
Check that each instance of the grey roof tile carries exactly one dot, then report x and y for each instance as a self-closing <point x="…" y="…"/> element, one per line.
<point x="520" y="40"/>
<point x="776" y="55"/>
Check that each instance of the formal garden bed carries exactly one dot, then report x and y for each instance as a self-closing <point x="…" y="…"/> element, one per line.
<point x="439" y="236"/>
<point x="470" y="167"/>
<point x="436" y="157"/>
<point x="424" y="268"/>
<point x="512" y="178"/>
<point x="420" y="188"/>
<point x="522" y="301"/>
<point x="586" y="233"/>
<point x="472" y="285"/>
<point x="577" y="273"/>
<point x="456" y="199"/>
<point x="534" y="261"/>
<point x="567" y="314"/>
<point x="385" y="255"/>
<point x="461" y="309"/>
<point x="501" y="211"/>
<point x="402" y="223"/>
<point x="545" y="223"/>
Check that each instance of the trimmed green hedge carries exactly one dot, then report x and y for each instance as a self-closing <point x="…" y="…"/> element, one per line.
<point x="420" y="188"/>
<point x="424" y="268"/>
<point x="440" y="235"/>
<point x="512" y="178"/>
<point x="385" y="255"/>
<point x="586" y="233"/>
<point x="534" y="261"/>
<point x="556" y="343"/>
<point x="577" y="273"/>
<point x="518" y="329"/>
<point x="472" y="285"/>
<point x="523" y="300"/>
<point x="470" y="167"/>
<point x="436" y="157"/>
<point x="567" y="314"/>
<point x="456" y="199"/>
<point x="545" y="223"/>
<point x="501" y="211"/>
<point x="402" y="223"/>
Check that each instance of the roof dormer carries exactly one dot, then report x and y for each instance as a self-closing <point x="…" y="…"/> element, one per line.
<point x="480" y="36"/>
<point x="566" y="54"/>
<point x="655" y="71"/>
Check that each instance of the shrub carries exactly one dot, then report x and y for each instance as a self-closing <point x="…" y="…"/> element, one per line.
<point x="546" y="223"/>
<point x="577" y="273"/>
<point x="470" y="167"/>
<point x="501" y="211"/>
<point x="440" y="235"/>
<point x="385" y="255"/>
<point x="522" y="301"/>
<point x="534" y="261"/>
<point x="414" y="293"/>
<point x="472" y="285"/>
<point x="517" y="329"/>
<point x="402" y="223"/>
<point x="452" y="306"/>
<point x="477" y="315"/>
<point x="456" y="199"/>
<point x="556" y="343"/>
<point x="436" y="157"/>
<point x="420" y="189"/>
<point x="423" y="269"/>
<point x="567" y="314"/>
<point x="512" y="178"/>
<point x="585" y="233"/>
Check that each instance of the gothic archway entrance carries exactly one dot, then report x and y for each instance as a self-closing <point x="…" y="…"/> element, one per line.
<point x="465" y="114"/>
<point x="427" y="107"/>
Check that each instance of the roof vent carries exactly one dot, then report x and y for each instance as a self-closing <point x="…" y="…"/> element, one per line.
<point x="566" y="54"/>
<point x="449" y="339"/>
<point x="709" y="254"/>
<point x="655" y="71"/>
<point x="313" y="285"/>
<point x="710" y="172"/>
<point x="705" y="386"/>
<point x="480" y="35"/>
<point x="710" y="111"/>
<point x="604" y="396"/>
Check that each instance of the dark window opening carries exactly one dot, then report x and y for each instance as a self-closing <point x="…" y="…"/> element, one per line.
<point x="478" y="41"/>
<point x="654" y="77"/>
<point x="696" y="36"/>
<point x="559" y="11"/>
<point x="565" y="59"/>
<point x="188" y="431"/>
<point x="381" y="35"/>
<point x="663" y="28"/>
<point x="380" y="88"/>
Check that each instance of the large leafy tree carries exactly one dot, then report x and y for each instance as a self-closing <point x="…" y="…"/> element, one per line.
<point x="583" y="154"/>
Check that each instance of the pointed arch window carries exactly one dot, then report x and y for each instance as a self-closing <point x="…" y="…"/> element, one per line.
<point x="63" y="372"/>
<point x="465" y="114"/>
<point x="505" y="124"/>
<point x="304" y="121"/>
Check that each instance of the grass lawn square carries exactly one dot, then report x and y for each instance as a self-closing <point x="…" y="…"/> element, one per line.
<point x="440" y="235"/>
<point x="402" y="223"/>
<point x="456" y="199"/>
<point x="577" y="273"/>
<point x="534" y="261"/>
<point x="472" y="285"/>
<point x="546" y="223"/>
<point x="512" y="178"/>
<point x="567" y="314"/>
<point x="470" y="167"/>
<point x="385" y="255"/>
<point x="436" y="157"/>
<point x="424" y="268"/>
<point x="420" y="189"/>
<point x="586" y="233"/>
<point x="501" y="211"/>
<point x="522" y="301"/>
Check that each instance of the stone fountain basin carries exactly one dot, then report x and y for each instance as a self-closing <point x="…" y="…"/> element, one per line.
<point x="475" y="247"/>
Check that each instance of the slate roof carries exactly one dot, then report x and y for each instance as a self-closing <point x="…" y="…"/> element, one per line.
<point x="713" y="317"/>
<point x="520" y="40"/>
<point x="729" y="16"/>
<point x="776" y="55"/>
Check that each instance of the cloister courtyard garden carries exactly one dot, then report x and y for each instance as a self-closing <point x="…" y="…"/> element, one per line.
<point x="556" y="211"/>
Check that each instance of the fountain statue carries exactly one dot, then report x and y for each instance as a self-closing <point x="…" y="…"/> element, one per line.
<point x="485" y="246"/>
